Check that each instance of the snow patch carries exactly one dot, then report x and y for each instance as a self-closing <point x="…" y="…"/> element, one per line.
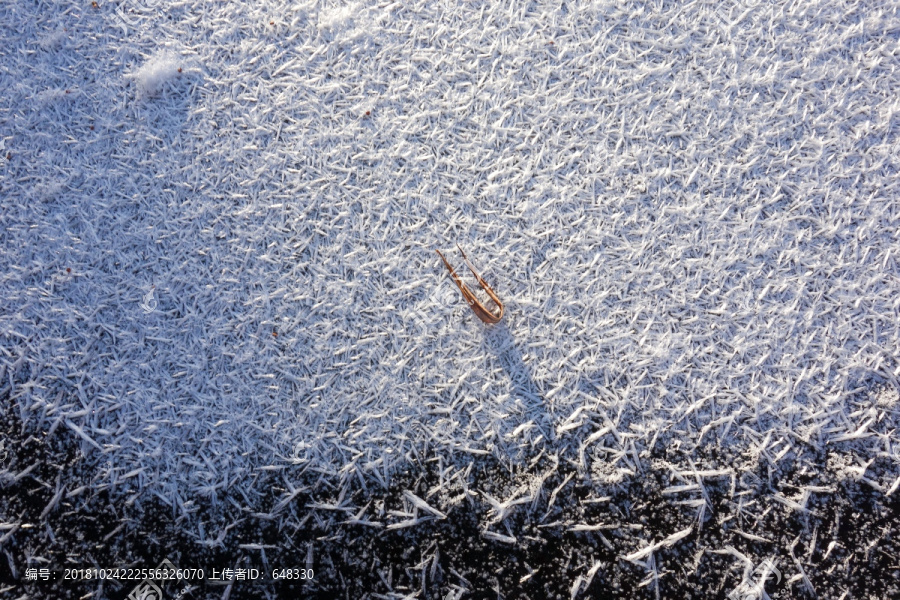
<point x="340" y="17"/>
<point x="160" y="69"/>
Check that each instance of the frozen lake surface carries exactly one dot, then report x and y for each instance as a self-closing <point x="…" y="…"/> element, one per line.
<point x="226" y="337"/>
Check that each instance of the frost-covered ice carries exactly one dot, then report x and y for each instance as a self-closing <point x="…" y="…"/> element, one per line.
<point x="690" y="211"/>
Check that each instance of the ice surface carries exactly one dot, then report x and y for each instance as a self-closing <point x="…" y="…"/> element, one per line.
<point x="690" y="212"/>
